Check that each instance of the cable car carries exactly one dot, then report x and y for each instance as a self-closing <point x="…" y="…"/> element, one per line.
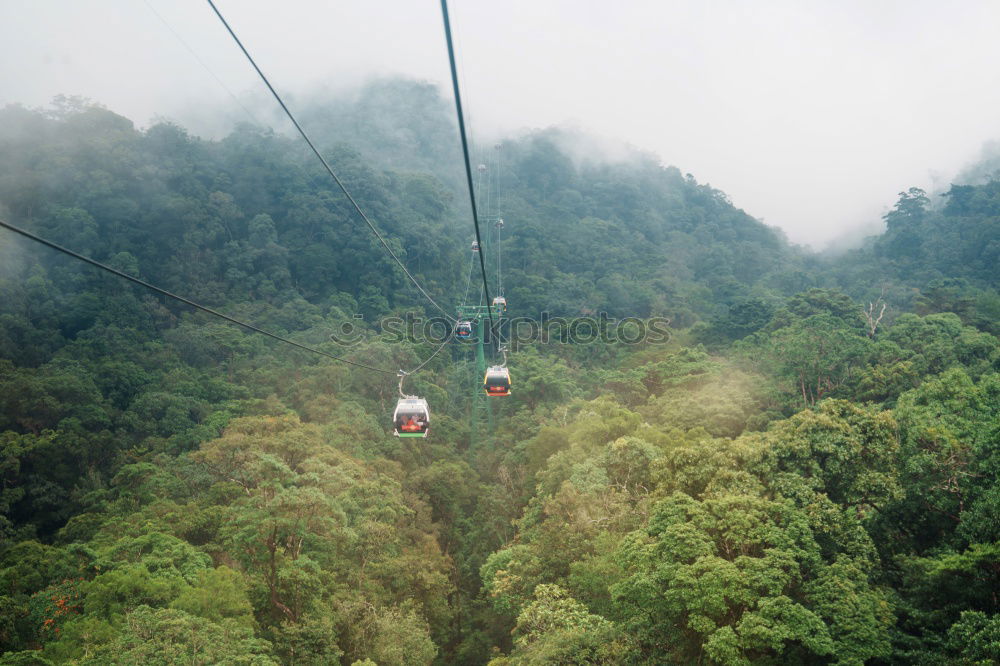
<point x="464" y="329"/>
<point x="497" y="381"/>
<point x="412" y="417"/>
<point x="500" y="302"/>
<point x="475" y="246"/>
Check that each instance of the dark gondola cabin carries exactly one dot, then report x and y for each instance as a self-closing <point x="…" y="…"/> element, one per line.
<point x="412" y="417"/>
<point x="497" y="381"/>
<point x="464" y="330"/>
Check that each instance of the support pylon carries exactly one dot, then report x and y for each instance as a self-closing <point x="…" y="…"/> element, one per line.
<point x="479" y="315"/>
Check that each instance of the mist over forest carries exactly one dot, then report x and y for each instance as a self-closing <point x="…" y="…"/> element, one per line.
<point x="803" y="471"/>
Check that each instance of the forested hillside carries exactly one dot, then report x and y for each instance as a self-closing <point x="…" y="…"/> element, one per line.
<point x="804" y="472"/>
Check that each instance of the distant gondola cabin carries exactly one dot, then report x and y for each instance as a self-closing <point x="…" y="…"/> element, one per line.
<point x="412" y="417"/>
<point x="497" y="381"/>
<point x="464" y="329"/>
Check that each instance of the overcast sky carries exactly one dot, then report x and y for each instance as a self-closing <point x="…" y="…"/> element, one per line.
<point x="811" y="115"/>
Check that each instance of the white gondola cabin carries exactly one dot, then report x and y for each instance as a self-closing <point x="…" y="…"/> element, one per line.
<point x="412" y="417"/>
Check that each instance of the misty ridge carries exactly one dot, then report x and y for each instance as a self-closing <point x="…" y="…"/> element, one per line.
<point x="402" y="124"/>
<point x="678" y="232"/>
<point x="391" y="121"/>
<point x="403" y="128"/>
<point x="554" y="177"/>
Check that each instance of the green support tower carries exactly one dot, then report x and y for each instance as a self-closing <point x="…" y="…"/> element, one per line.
<point x="479" y="315"/>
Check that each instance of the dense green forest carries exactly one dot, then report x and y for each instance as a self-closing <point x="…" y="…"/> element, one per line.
<point x="805" y="472"/>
